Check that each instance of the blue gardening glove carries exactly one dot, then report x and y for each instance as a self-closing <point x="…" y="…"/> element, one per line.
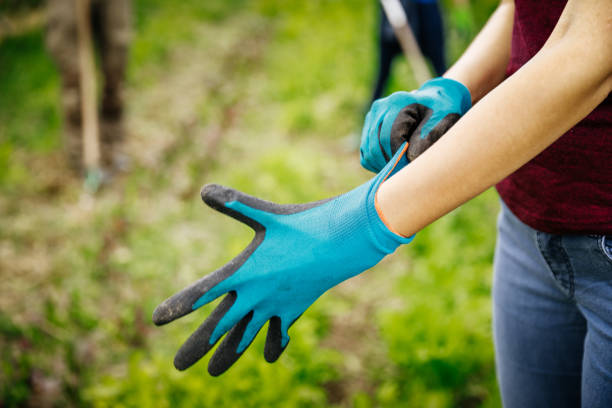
<point x="419" y="117"/>
<point x="298" y="253"/>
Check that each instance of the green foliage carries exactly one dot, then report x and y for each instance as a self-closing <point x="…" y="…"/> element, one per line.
<point x="27" y="70"/>
<point x="18" y="5"/>
<point x="150" y="381"/>
<point x="279" y="84"/>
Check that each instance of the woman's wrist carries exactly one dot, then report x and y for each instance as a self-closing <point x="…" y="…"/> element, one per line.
<point x="392" y="213"/>
<point x="483" y="65"/>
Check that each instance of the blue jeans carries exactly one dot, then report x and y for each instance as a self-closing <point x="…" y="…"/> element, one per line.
<point x="552" y="317"/>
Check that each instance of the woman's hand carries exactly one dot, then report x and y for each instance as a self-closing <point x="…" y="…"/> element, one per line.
<point x="419" y="117"/>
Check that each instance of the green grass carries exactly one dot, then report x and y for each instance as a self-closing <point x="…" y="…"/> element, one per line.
<point x="29" y="114"/>
<point x="282" y="83"/>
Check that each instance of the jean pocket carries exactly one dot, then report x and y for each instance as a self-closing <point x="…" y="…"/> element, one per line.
<point x="605" y="244"/>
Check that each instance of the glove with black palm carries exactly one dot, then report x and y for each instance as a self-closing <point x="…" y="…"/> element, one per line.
<point x="298" y="253"/>
<point x="419" y="117"/>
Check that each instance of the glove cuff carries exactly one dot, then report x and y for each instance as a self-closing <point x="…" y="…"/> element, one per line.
<point x="386" y="237"/>
<point x="401" y="238"/>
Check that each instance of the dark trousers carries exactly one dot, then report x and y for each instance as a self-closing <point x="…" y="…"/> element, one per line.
<point x="111" y="26"/>
<point x="426" y="23"/>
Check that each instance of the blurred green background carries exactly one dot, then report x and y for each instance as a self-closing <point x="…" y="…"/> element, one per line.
<point x="258" y="95"/>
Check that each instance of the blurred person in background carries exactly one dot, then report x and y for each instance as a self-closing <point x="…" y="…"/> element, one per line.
<point x="111" y="29"/>
<point x="539" y="75"/>
<point x="426" y="23"/>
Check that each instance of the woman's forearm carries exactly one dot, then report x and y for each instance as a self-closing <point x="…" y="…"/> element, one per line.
<point x="483" y="65"/>
<point x="562" y="84"/>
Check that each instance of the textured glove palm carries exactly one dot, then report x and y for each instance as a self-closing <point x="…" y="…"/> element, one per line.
<point x="419" y="117"/>
<point x="298" y="253"/>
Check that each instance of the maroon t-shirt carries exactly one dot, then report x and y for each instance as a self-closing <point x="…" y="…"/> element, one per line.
<point x="568" y="187"/>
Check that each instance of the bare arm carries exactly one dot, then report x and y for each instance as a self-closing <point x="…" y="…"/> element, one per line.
<point x="483" y="65"/>
<point x="526" y="113"/>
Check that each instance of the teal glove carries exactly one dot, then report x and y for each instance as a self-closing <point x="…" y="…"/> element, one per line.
<point x="298" y="253"/>
<point x="419" y="117"/>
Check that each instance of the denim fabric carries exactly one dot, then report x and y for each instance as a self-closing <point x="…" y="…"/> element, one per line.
<point x="552" y="317"/>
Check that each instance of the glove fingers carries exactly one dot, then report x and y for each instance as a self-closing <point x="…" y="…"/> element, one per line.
<point x="233" y="316"/>
<point x="251" y="331"/>
<point x="364" y="146"/>
<point x="427" y="134"/>
<point x="223" y="199"/>
<point x="382" y="146"/>
<point x="274" y="347"/>
<point x="372" y="152"/>
<point x="234" y="344"/>
<point x="197" y="294"/>
<point x="247" y="209"/>
<point x="198" y="344"/>
<point x="277" y="338"/>
<point x="406" y="123"/>
<point x="398" y="124"/>
<point x="206" y="289"/>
